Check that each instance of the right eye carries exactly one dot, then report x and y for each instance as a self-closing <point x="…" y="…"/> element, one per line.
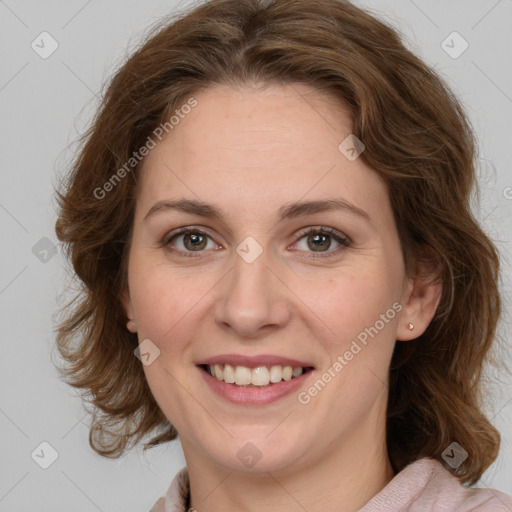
<point x="191" y="240"/>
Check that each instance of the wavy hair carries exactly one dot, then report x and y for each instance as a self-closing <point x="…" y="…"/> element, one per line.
<point x="417" y="138"/>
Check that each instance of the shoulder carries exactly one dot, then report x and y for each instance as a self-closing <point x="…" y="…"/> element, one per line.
<point x="427" y="485"/>
<point x="176" y="497"/>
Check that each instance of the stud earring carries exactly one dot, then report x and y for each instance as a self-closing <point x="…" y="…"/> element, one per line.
<point x="131" y="326"/>
<point x="411" y="327"/>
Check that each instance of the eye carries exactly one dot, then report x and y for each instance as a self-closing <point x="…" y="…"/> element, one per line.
<point x="190" y="240"/>
<point x="187" y="241"/>
<point x="320" y="240"/>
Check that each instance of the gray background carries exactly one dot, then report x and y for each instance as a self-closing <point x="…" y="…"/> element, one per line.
<point x="46" y="103"/>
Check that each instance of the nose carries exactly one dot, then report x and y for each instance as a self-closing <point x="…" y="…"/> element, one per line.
<point x="252" y="299"/>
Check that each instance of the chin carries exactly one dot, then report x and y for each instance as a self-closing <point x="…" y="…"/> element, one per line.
<point x="250" y="450"/>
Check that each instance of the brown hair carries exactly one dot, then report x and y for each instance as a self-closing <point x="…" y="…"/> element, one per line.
<point x="417" y="138"/>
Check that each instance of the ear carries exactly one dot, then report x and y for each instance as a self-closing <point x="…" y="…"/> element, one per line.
<point x="126" y="303"/>
<point x="421" y="298"/>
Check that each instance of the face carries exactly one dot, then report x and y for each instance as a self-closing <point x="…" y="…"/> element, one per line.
<point x="268" y="282"/>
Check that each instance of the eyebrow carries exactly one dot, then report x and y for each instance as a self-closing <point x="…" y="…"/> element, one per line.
<point x="286" y="212"/>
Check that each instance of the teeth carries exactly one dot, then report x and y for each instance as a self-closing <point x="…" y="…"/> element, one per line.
<point x="297" y="372"/>
<point x="276" y="373"/>
<point x="242" y="376"/>
<point x="260" y="376"/>
<point x="228" y="374"/>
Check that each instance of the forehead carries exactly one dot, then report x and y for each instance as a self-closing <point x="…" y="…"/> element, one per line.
<point x="262" y="147"/>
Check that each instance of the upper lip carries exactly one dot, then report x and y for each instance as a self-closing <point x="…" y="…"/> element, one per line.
<point x="253" y="361"/>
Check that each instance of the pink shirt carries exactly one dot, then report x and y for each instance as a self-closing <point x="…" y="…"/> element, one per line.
<point x="423" y="486"/>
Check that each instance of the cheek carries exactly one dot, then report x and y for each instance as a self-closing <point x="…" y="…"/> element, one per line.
<point x="351" y="301"/>
<point x="165" y="305"/>
<point x="162" y="295"/>
<point x="170" y="306"/>
<point x="360" y="311"/>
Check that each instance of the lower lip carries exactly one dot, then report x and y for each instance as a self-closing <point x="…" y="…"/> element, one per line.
<point x="240" y="395"/>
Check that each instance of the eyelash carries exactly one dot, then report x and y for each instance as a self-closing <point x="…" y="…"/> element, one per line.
<point x="344" y="241"/>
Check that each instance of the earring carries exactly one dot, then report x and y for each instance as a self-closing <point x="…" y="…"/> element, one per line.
<point x="131" y="326"/>
<point x="411" y="327"/>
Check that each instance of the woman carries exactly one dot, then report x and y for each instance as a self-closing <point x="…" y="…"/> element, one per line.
<point x="271" y="213"/>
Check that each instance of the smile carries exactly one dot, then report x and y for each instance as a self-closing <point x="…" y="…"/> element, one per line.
<point x="256" y="379"/>
<point x="260" y="376"/>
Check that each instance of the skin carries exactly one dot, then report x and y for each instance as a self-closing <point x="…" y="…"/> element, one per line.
<point x="249" y="151"/>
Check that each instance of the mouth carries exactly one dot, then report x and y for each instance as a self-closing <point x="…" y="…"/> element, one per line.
<point x="256" y="380"/>
<point x="254" y="377"/>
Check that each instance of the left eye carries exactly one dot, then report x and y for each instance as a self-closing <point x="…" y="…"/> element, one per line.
<point x="320" y="240"/>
